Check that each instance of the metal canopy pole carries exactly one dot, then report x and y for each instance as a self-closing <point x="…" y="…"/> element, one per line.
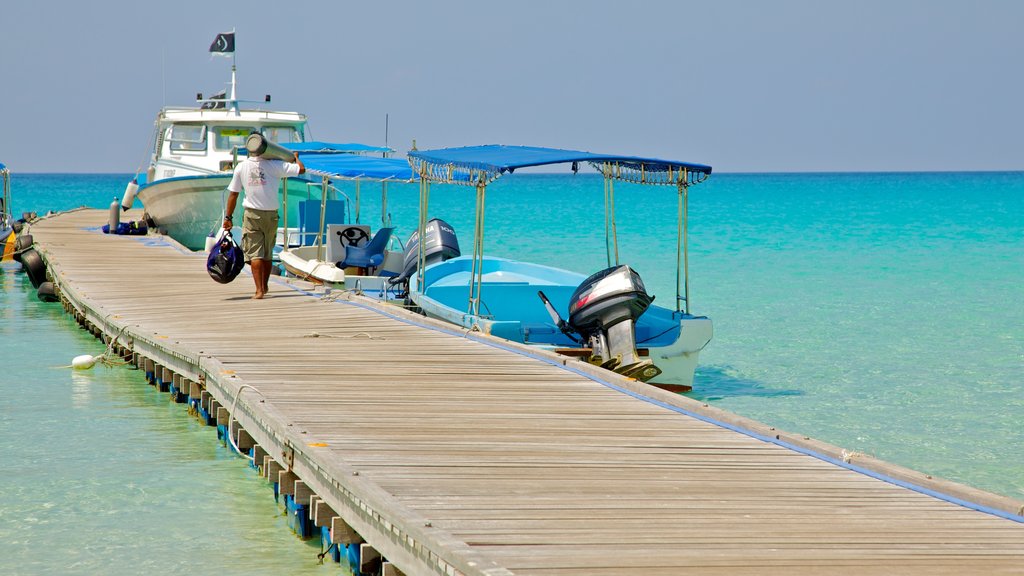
<point x="476" y="279"/>
<point x="320" y="230"/>
<point x="422" y="229"/>
<point x="284" y="243"/>
<point x="357" y="201"/>
<point x="606" y="172"/>
<point x="611" y="196"/>
<point x="682" y="243"/>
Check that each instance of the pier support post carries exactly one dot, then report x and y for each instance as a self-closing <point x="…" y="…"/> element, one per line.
<point x="286" y="480"/>
<point x="273" y="470"/>
<point x="222" y="415"/>
<point x="243" y="440"/>
<point x="323" y="515"/>
<point x="178" y="389"/>
<point x="369" y="559"/>
<point x="194" y="391"/>
<point x="342" y="533"/>
<point x="258" y="454"/>
<point x="166" y="378"/>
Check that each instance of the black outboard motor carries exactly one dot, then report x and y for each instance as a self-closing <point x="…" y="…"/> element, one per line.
<point x="441" y="244"/>
<point x="604" y="310"/>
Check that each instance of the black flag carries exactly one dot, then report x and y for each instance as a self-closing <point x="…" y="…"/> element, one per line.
<point x="223" y="44"/>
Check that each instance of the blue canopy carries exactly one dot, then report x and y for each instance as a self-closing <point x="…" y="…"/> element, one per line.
<point x="2" y="167"/>
<point x="333" y="148"/>
<point x="351" y="166"/>
<point x="483" y="164"/>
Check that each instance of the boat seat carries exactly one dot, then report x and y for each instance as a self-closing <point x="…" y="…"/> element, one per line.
<point x="369" y="255"/>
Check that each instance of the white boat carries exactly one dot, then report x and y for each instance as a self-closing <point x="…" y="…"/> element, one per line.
<point x="611" y="320"/>
<point x="194" y="153"/>
<point x="343" y="254"/>
<point x="195" y="149"/>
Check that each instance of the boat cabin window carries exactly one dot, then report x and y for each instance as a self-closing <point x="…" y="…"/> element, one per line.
<point x="227" y="137"/>
<point x="187" y="138"/>
<point x="281" y="134"/>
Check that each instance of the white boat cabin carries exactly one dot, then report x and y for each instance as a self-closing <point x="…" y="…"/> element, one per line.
<point x="202" y="141"/>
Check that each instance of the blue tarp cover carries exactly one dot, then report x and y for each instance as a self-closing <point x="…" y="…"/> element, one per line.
<point x="353" y="166"/>
<point x="333" y="147"/>
<point x="496" y="159"/>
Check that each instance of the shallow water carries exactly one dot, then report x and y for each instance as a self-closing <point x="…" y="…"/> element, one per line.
<point x="104" y="475"/>
<point x="880" y="312"/>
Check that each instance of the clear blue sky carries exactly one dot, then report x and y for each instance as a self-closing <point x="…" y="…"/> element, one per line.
<point x="741" y="85"/>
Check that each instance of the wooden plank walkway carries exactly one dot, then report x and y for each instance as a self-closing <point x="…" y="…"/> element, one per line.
<point x="458" y="454"/>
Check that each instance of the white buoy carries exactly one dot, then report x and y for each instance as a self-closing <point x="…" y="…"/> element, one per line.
<point x="129" y="194"/>
<point x="83" y="362"/>
<point x="115" y="216"/>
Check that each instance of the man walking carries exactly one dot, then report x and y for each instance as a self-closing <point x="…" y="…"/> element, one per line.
<point x="260" y="179"/>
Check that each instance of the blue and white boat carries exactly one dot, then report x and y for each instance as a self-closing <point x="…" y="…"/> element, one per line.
<point x="606" y="318"/>
<point x="8" y="237"/>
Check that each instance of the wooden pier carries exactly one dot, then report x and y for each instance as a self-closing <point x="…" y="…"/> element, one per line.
<point x="451" y="453"/>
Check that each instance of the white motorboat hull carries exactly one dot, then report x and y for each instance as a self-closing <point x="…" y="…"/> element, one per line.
<point x="189" y="208"/>
<point x="302" y="263"/>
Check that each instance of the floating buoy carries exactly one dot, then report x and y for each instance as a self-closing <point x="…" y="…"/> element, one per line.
<point x="32" y="262"/>
<point x="47" y="292"/>
<point x="83" y="362"/>
<point x="129" y="194"/>
<point x="24" y="242"/>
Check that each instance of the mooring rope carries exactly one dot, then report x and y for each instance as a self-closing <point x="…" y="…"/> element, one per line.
<point x="231" y="417"/>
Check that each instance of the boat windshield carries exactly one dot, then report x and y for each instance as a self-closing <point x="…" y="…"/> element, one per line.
<point x="228" y="137"/>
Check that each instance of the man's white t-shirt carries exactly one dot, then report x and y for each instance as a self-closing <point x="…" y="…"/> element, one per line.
<point x="260" y="178"/>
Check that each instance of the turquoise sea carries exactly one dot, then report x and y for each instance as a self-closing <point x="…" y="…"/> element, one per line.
<point x="883" y="313"/>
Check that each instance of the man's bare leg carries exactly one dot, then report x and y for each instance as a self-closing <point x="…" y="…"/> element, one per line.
<point x="258" y="265"/>
<point x="267" y="265"/>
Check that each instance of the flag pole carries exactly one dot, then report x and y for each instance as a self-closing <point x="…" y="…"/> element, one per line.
<point x="234" y="97"/>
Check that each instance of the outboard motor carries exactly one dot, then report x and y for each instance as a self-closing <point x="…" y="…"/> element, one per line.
<point x="604" y="310"/>
<point x="441" y="244"/>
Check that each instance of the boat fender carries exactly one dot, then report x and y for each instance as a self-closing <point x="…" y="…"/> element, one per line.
<point x="18" y="226"/>
<point x="84" y="362"/>
<point x="129" y="194"/>
<point x="115" y="215"/>
<point x="33" y="265"/>
<point x="47" y="292"/>
<point x="23" y="243"/>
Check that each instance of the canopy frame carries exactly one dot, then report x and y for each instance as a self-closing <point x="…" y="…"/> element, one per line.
<point x="480" y="165"/>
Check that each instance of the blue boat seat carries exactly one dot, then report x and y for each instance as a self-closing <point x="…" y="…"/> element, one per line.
<point x="369" y="255"/>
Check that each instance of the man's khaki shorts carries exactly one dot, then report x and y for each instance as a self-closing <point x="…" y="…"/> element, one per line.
<point x="259" y="234"/>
